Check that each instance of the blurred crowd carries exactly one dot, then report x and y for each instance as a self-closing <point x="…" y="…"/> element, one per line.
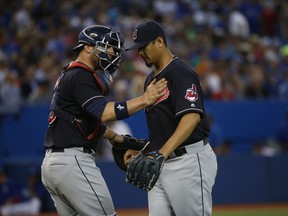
<point x="239" y="48"/>
<point x="22" y="198"/>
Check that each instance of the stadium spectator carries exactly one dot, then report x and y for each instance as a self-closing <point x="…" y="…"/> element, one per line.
<point x="31" y="197"/>
<point x="10" y="94"/>
<point x="41" y="94"/>
<point x="282" y="133"/>
<point x="238" y="24"/>
<point x="9" y="189"/>
<point x="266" y="148"/>
<point x="204" y="26"/>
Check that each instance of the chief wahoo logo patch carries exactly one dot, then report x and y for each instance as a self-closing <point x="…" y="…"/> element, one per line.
<point x="191" y="93"/>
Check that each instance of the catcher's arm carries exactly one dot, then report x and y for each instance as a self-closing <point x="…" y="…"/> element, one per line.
<point x="130" y="142"/>
<point x="124" y="141"/>
<point x="112" y="136"/>
<point x="121" y="143"/>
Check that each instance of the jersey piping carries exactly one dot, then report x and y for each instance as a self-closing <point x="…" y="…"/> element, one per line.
<point x="90" y="100"/>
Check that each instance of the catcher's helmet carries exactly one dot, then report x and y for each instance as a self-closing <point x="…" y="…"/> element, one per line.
<point x="103" y="37"/>
<point x="90" y="35"/>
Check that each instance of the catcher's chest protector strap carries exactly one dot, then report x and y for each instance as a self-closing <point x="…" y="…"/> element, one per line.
<point x="102" y="83"/>
<point x="62" y="114"/>
<point x="56" y="111"/>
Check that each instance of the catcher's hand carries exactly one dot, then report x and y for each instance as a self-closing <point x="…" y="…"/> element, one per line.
<point x="119" y="149"/>
<point x="144" y="170"/>
<point x="130" y="142"/>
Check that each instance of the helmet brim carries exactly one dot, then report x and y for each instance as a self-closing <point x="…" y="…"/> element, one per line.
<point x="137" y="45"/>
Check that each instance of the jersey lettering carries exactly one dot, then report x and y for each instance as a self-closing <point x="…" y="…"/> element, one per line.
<point x="165" y="96"/>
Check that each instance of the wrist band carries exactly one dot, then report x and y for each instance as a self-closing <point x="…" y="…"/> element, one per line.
<point x="121" y="110"/>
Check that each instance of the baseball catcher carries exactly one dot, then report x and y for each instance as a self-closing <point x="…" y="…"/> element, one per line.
<point x="144" y="169"/>
<point x="129" y="142"/>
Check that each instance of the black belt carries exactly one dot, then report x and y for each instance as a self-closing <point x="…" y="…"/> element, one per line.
<point x="182" y="150"/>
<point x="85" y="150"/>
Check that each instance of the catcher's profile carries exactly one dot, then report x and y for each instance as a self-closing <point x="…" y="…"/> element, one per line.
<point x="179" y="167"/>
<point x="78" y="112"/>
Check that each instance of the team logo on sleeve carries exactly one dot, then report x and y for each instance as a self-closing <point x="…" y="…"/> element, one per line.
<point x="191" y="93"/>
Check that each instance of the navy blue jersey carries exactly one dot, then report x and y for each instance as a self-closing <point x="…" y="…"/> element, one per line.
<point x="182" y="95"/>
<point x="78" y="94"/>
